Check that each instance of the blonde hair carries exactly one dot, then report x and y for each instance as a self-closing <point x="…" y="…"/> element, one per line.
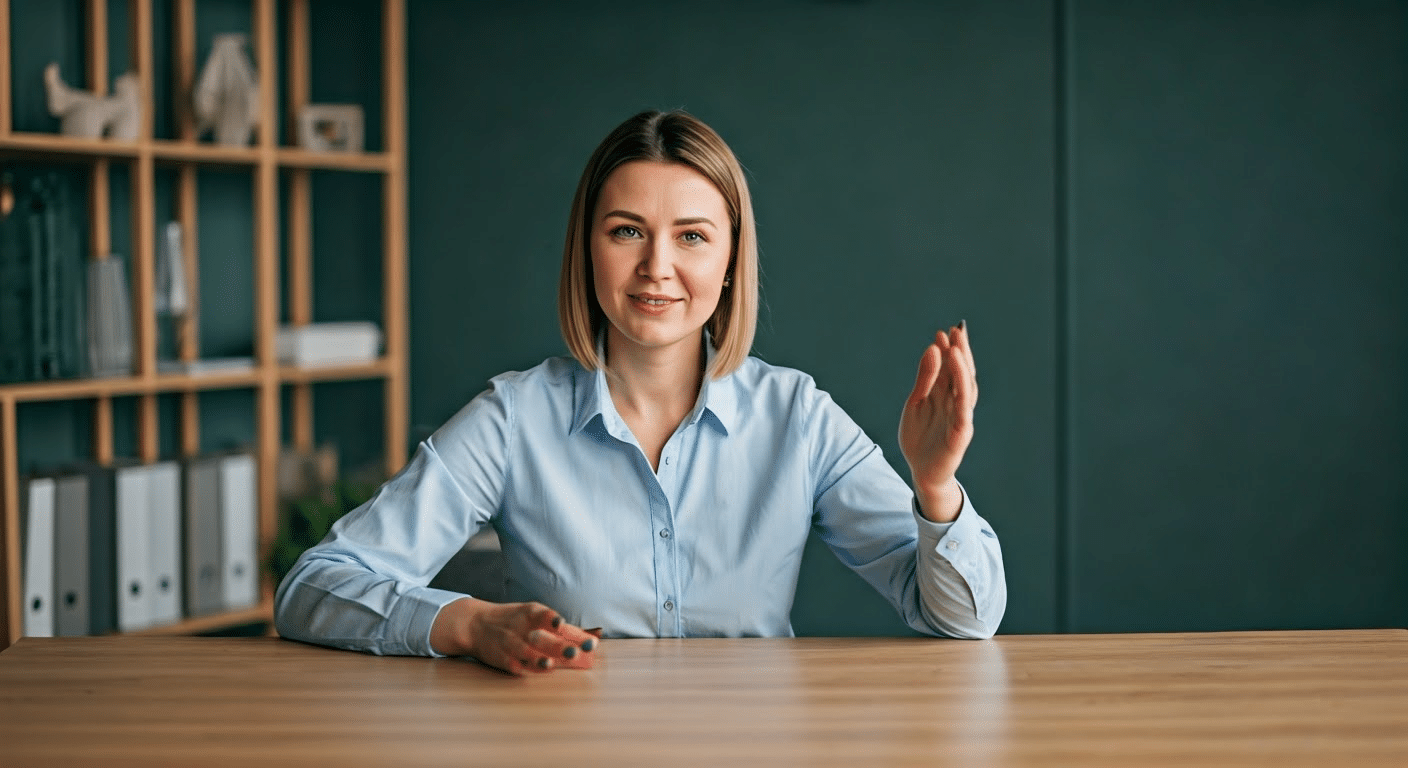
<point x="666" y="137"/>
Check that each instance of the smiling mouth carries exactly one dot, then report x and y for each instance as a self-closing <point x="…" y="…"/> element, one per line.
<point x="653" y="301"/>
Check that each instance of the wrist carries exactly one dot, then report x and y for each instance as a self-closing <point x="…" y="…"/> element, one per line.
<point x="453" y="631"/>
<point x="939" y="503"/>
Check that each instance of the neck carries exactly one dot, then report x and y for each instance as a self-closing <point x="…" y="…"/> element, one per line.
<point x="654" y="382"/>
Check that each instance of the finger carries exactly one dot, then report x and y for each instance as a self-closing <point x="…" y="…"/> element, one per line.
<point x="929" y="365"/>
<point x="542" y="617"/>
<point x="964" y="388"/>
<point x="967" y="346"/>
<point x="585" y="640"/>
<point x="552" y="645"/>
<point x="570" y="647"/>
<point x="520" y="657"/>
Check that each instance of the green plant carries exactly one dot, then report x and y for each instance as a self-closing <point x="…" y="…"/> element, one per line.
<point x="307" y="520"/>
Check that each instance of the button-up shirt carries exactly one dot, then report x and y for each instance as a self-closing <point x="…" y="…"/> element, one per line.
<point x="708" y="544"/>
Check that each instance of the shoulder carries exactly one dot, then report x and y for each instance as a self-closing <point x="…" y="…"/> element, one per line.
<point x="764" y="383"/>
<point x="552" y="373"/>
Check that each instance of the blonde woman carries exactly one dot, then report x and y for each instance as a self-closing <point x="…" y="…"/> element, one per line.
<point x="660" y="482"/>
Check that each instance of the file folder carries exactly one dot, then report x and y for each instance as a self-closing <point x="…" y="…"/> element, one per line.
<point x="38" y="537"/>
<point x="71" y="579"/>
<point x="102" y="550"/>
<point x="239" y="546"/>
<point x="164" y="542"/>
<point x="134" y="595"/>
<point x="201" y="514"/>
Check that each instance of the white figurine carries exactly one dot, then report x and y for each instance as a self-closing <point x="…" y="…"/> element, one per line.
<point x="227" y="94"/>
<point x="88" y="115"/>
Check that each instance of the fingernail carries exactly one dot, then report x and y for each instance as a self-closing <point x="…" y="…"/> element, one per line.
<point x="556" y="622"/>
<point x="544" y="663"/>
<point x="588" y="644"/>
<point x="569" y="652"/>
<point x="962" y="325"/>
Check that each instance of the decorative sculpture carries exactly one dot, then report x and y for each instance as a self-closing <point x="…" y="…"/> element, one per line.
<point x="226" y="97"/>
<point x="88" y="115"/>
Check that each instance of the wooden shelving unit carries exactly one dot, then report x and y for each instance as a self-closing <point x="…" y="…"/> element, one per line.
<point x="266" y="160"/>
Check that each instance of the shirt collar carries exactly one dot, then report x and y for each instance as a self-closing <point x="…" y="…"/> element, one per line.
<point x="718" y="398"/>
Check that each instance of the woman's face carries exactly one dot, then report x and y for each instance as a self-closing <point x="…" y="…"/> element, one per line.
<point x="661" y="241"/>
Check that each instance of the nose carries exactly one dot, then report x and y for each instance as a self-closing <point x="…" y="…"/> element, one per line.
<point x="657" y="260"/>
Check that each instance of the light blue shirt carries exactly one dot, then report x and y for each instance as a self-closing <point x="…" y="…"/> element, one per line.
<point x="710" y="545"/>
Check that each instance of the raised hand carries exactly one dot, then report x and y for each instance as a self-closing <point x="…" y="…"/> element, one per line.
<point x="937" y="424"/>
<point x="519" y="638"/>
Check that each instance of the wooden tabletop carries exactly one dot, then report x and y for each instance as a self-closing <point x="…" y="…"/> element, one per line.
<point x="1236" y="699"/>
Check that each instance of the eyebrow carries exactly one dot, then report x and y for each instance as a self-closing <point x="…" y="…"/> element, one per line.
<point x="678" y="222"/>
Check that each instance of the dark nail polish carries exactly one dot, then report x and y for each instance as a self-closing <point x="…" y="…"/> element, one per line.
<point x="556" y="622"/>
<point x="588" y="644"/>
<point x="569" y="652"/>
<point x="543" y="663"/>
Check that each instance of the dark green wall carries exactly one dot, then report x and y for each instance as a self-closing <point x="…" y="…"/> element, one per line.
<point x="1239" y="201"/>
<point x="1177" y="232"/>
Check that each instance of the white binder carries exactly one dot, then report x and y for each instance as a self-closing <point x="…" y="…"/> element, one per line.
<point x="39" y="558"/>
<point x="164" y="542"/>
<point x="132" y="499"/>
<point x="239" y="510"/>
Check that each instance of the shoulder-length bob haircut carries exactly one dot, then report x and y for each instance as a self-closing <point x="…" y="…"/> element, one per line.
<point x="664" y="137"/>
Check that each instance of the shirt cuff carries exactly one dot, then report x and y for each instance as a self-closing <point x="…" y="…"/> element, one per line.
<point x="416" y="611"/>
<point x="948" y="540"/>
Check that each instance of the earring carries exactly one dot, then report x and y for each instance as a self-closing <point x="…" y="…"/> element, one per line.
<point x="728" y="280"/>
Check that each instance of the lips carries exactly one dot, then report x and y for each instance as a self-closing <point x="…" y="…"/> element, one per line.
<point x="653" y="300"/>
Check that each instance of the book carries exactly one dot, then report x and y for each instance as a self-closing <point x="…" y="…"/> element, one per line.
<point x="328" y="344"/>
<point x="206" y="366"/>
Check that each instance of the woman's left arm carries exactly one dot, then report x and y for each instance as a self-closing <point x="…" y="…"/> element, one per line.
<point x="941" y="566"/>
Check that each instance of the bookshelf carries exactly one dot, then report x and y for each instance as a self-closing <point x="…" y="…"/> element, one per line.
<point x="266" y="161"/>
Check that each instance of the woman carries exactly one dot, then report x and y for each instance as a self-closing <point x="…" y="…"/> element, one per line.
<point x="659" y="482"/>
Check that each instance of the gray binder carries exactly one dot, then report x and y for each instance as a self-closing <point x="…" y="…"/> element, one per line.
<point x="71" y="581"/>
<point x="239" y="544"/>
<point x="204" y="595"/>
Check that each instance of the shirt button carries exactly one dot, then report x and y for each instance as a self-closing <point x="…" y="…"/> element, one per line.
<point x="667" y="461"/>
<point x="669" y="605"/>
<point x="953" y="544"/>
<point x="665" y="533"/>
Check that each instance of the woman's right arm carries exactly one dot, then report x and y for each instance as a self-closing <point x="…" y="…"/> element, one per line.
<point x="364" y="586"/>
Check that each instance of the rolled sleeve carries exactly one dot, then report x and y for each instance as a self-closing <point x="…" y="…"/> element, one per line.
<point x="962" y="586"/>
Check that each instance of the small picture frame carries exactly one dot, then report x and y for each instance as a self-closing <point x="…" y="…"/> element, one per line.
<point x="330" y="128"/>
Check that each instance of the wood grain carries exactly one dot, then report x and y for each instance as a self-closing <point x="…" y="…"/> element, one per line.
<point x="1226" y="699"/>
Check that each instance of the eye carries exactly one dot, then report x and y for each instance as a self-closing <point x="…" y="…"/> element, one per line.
<point x="694" y="238"/>
<point x="625" y="230"/>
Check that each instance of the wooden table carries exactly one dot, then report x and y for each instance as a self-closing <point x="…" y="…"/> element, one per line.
<point x="1274" y="698"/>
